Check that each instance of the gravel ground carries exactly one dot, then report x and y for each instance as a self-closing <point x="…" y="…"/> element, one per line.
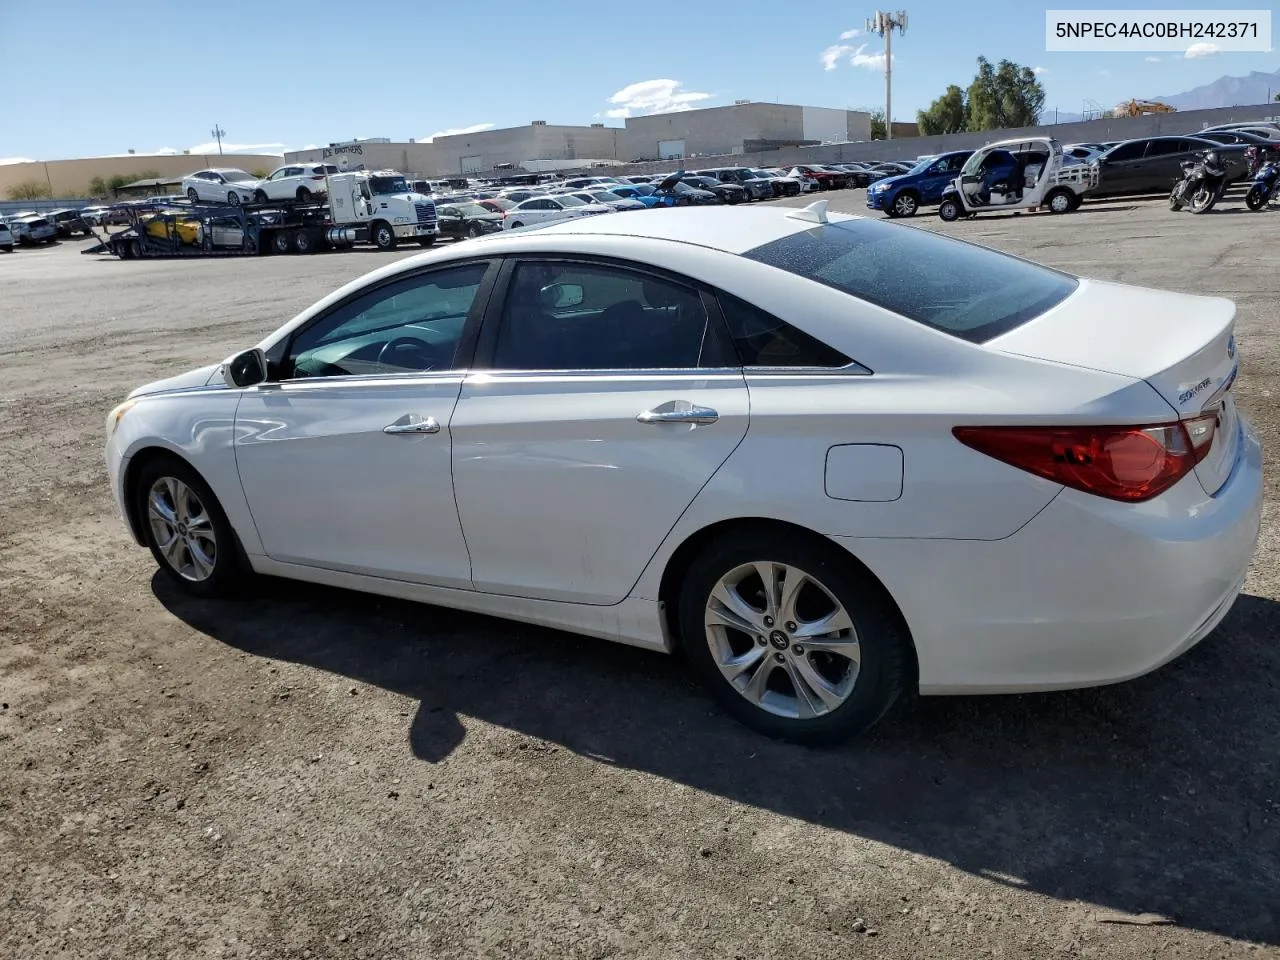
<point x="309" y="773"/>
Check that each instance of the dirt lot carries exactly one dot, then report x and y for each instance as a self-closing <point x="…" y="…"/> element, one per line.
<point x="309" y="773"/>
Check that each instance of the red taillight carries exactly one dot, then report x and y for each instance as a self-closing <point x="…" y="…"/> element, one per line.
<point x="1131" y="464"/>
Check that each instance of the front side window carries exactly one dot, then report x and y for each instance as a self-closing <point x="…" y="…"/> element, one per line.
<point x="411" y="325"/>
<point x="958" y="288"/>
<point x="576" y="316"/>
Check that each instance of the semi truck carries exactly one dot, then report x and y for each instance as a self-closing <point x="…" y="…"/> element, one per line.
<point x="377" y="207"/>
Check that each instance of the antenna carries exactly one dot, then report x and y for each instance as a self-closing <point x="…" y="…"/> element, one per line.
<point x="218" y="133"/>
<point x="883" y="24"/>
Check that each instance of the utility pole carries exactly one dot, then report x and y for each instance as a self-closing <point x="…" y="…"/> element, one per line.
<point x="218" y="133"/>
<point x="884" y="23"/>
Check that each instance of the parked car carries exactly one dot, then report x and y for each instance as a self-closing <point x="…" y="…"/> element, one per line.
<point x="221" y="185"/>
<point x="827" y="179"/>
<point x="544" y="209"/>
<point x="1044" y="509"/>
<point x="673" y="192"/>
<point x="497" y="205"/>
<point x="608" y="198"/>
<point x="724" y="192"/>
<point x="755" y="187"/>
<point x="807" y="183"/>
<point x="1154" y="164"/>
<point x="578" y="183"/>
<point x="31" y="229"/>
<point x="462" y="220"/>
<point x="302" y="182"/>
<point x="780" y="185"/>
<point x="69" y="222"/>
<point x="185" y="230"/>
<point x="7" y="238"/>
<point x="1258" y="150"/>
<point x="924" y="185"/>
<point x="859" y="173"/>
<point x="224" y="232"/>
<point x="642" y="193"/>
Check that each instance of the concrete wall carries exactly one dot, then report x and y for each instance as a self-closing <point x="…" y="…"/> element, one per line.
<point x="70" y="178"/>
<point x="1125" y="128"/>
<point x="514" y="144"/>
<point x="718" y="131"/>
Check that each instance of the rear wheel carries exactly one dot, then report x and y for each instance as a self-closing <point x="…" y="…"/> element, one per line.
<point x="949" y="210"/>
<point x="281" y="241"/>
<point x="304" y="241"/>
<point x="1256" y="198"/>
<point x="192" y="195"/>
<point x="186" y="529"/>
<point x="791" y="637"/>
<point x="1059" y="200"/>
<point x="304" y="195"/>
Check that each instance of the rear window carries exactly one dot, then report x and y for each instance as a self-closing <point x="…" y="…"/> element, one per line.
<point x="958" y="288"/>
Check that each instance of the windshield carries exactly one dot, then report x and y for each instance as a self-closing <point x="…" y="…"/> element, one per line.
<point x="471" y="210"/>
<point x="604" y="196"/>
<point x="571" y="201"/>
<point x="382" y="186"/>
<point x="644" y="189"/>
<point x="625" y="192"/>
<point x="959" y="288"/>
<point x="237" y="176"/>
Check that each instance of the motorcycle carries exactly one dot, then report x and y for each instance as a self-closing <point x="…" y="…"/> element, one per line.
<point x="1263" y="190"/>
<point x="1204" y="181"/>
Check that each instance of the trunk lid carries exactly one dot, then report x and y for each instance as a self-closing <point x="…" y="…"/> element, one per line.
<point x="1182" y="345"/>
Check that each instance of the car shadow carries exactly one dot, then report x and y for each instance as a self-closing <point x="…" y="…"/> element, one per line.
<point x="1155" y="796"/>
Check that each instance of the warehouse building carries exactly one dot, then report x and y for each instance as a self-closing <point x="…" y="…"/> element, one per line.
<point x="743" y="127"/>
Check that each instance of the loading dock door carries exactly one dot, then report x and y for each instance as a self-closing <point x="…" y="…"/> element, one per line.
<point x="670" y="149"/>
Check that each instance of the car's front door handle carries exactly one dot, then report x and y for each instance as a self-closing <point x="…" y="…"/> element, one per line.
<point x="678" y="411"/>
<point x="412" y="423"/>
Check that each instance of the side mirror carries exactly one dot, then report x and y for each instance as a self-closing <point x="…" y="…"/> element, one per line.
<point x="564" y="295"/>
<point x="245" y="369"/>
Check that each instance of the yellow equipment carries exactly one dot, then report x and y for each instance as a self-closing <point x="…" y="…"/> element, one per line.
<point x="1136" y="108"/>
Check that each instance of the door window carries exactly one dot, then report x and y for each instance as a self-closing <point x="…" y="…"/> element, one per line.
<point x="412" y="325"/>
<point x="1163" y="148"/>
<point x="576" y="316"/>
<point x="1128" y="151"/>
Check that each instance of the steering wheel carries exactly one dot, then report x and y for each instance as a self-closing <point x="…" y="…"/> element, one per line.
<point x="420" y="348"/>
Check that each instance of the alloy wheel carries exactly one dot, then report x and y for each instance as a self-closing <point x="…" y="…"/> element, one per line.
<point x="182" y="528"/>
<point x="782" y="640"/>
<point x="905" y="205"/>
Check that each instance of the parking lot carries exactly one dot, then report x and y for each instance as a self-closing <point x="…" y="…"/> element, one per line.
<point x="310" y="773"/>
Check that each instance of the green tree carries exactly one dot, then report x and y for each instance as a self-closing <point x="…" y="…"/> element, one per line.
<point x="948" y="114"/>
<point x="30" y="190"/>
<point x="261" y="173"/>
<point x="97" y="188"/>
<point x="1277" y="98"/>
<point x="1004" y="95"/>
<point x="878" y="129"/>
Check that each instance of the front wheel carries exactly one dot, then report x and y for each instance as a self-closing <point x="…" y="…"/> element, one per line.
<point x="791" y="637"/>
<point x="1203" y="200"/>
<point x="949" y="210"/>
<point x="904" y="205"/>
<point x="474" y="230"/>
<point x="1256" y="198"/>
<point x="384" y="238"/>
<point x="426" y="241"/>
<point x="1175" y="198"/>
<point x="260" y="196"/>
<point x="233" y="198"/>
<point x="186" y="529"/>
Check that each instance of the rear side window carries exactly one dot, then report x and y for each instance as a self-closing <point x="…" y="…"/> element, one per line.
<point x="762" y="340"/>
<point x="958" y="288"/>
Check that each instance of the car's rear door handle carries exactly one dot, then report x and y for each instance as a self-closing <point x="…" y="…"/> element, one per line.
<point x="678" y="411"/>
<point x="412" y="423"/>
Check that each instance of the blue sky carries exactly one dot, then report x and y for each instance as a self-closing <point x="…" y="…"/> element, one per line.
<point x="140" y="74"/>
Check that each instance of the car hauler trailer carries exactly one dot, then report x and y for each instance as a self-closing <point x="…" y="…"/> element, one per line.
<point x="361" y="207"/>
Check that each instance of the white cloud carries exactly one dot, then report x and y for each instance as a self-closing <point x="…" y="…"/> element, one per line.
<point x="1039" y="70"/>
<point x="1151" y="59"/>
<point x="212" y="147"/>
<point x="458" y="131"/>
<point x="4" y="161"/>
<point x="309" y="146"/>
<point x="857" y="57"/>
<point x="1197" y="50"/>
<point x="850" y="34"/>
<point x="653" y="96"/>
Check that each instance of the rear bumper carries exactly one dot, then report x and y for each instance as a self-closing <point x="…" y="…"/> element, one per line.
<point x="1089" y="592"/>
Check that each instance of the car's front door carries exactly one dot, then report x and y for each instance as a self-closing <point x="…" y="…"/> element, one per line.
<point x="344" y="457"/>
<point x="1162" y="164"/>
<point x="604" y="398"/>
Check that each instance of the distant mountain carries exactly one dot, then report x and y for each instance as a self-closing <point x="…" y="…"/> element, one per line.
<point x="1255" y="88"/>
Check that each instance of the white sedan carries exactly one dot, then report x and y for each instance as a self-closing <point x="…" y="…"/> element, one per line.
<point x="832" y="459"/>
<point x="300" y="181"/>
<point x="222" y="185"/>
<point x="544" y="209"/>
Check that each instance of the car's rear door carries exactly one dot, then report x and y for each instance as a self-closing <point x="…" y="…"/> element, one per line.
<point x="603" y="398"/>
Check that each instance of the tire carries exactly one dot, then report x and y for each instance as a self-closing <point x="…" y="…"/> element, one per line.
<point x="474" y="231"/>
<point x="304" y="195"/>
<point x="233" y="198"/>
<point x="304" y="241"/>
<point x="282" y="241"/>
<point x="186" y="529"/>
<point x="1175" y="202"/>
<point x="192" y="195"/>
<point x="135" y="249"/>
<point x="905" y="204"/>
<point x="784" y="688"/>
<point x="1256" y="198"/>
<point x="949" y="210"/>
<point x="1203" y="200"/>
<point x="426" y="241"/>
<point x="1059" y="200"/>
<point x="384" y="238"/>
<point x="260" y="196"/>
<point x="7" y="248"/>
<point x="206" y="244"/>
<point x="517" y="225"/>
